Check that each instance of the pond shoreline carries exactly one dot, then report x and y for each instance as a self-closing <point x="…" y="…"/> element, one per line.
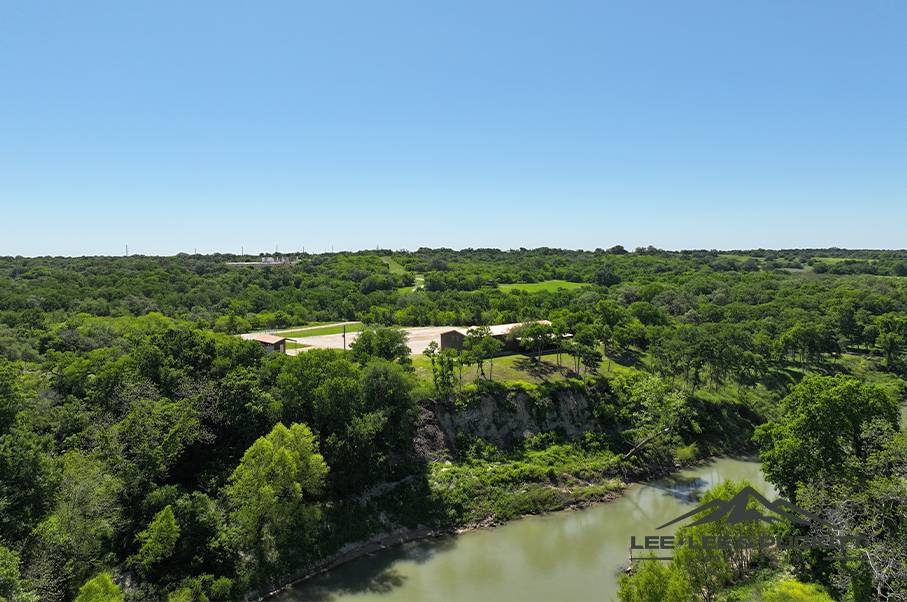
<point x="381" y="541"/>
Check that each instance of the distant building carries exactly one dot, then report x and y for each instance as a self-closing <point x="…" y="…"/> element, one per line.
<point x="265" y="262"/>
<point x="272" y="343"/>
<point x="453" y="339"/>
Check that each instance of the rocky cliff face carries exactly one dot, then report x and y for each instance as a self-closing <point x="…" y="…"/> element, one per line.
<point x="500" y="419"/>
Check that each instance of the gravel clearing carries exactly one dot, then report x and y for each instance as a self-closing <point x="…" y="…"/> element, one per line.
<point x="418" y="339"/>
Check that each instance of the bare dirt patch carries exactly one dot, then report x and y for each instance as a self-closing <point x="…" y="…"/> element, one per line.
<point x="418" y="339"/>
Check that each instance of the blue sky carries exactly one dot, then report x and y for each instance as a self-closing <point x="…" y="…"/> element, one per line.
<point x="220" y="126"/>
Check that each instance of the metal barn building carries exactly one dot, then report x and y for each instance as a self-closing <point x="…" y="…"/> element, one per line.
<point x="453" y="339"/>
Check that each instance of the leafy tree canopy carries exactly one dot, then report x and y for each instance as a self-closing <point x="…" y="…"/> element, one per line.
<point x="824" y="418"/>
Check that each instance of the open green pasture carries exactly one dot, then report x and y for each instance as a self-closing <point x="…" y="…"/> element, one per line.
<point x="548" y="285"/>
<point x="392" y="266"/>
<point x="834" y="259"/>
<point x="739" y="257"/>
<point x="314" y="332"/>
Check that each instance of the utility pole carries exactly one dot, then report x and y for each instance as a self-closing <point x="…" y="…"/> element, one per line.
<point x="344" y="337"/>
<point x="127" y="250"/>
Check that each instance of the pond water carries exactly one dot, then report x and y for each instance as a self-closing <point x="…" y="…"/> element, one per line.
<point x="558" y="556"/>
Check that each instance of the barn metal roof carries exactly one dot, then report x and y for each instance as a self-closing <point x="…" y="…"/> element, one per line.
<point x="269" y="339"/>
<point x="500" y="329"/>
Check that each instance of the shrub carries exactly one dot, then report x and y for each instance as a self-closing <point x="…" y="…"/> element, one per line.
<point x="690" y="453"/>
<point x="794" y="591"/>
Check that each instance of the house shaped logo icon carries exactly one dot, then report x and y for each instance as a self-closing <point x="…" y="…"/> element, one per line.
<point x="736" y="512"/>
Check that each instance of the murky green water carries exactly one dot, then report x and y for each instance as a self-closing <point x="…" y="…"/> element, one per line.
<point x="561" y="556"/>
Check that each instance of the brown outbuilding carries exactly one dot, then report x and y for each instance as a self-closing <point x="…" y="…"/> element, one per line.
<point x="272" y="343"/>
<point x="453" y="339"/>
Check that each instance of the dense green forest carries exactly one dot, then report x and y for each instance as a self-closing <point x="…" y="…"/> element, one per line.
<point x="148" y="453"/>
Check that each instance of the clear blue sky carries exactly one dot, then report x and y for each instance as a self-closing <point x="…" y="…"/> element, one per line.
<point x="220" y="125"/>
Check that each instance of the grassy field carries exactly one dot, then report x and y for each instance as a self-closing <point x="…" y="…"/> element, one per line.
<point x="739" y="257"/>
<point x="548" y="285"/>
<point x="834" y="259"/>
<point x="523" y="368"/>
<point x="314" y="332"/>
<point x="292" y="345"/>
<point x="510" y="367"/>
<point x="393" y="266"/>
<point x="420" y="281"/>
<point x="304" y="325"/>
<point x="309" y="325"/>
<point x="396" y="268"/>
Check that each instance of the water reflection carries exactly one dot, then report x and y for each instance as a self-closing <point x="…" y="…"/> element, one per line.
<point x="684" y="489"/>
<point x="373" y="573"/>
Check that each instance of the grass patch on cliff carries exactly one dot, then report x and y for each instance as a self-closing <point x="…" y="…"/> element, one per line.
<point x="517" y="367"/>
<point x="524" y="368"/>
<point x="543" y="474"/>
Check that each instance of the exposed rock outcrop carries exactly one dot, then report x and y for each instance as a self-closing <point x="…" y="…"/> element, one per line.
<point x="501" y="419"/>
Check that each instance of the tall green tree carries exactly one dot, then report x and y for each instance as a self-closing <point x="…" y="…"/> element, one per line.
<point x="447" y="361"/>
<point x="100" y="589"/>
<point x="268" y="491"/>
<point x="13" y="587"/>
<point x="146" y="443"/>
<point x="386" y="389"/>
<point x="431" y="353"/>
<point x="658" y="411"/>
<point x="480" y="345"/>
<point x="384" y="342"/>
<point x="88" y="511"/>
<point x="536" y="336"/>
<point x="158" y="541"/>
<point x="10" y="394"/>
<point x="28" y="483"/>
<point x="891" y="345"/>
<point x="820" y="433"/>
<point x="473" y="344"/>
